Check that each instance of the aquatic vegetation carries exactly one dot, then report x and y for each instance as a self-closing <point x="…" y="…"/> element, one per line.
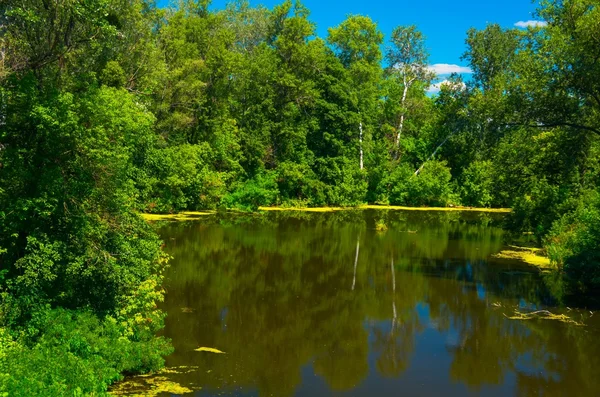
<point x="389" y="207"/>
<point x="532" y="256"/>
<point x="181" y="216"/>
<point x="447" y="209"/>
<point x="154" y="384"/>
<point x="305" y="209"/>
<point x="209" y="350"/>
<point x="543" y="315"/>
<point x="380" y="226"/>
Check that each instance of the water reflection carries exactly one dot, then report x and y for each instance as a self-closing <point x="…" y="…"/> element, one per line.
<point x="322" y="304"/>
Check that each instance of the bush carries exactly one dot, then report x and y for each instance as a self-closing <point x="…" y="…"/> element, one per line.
<point x="477" y="184"/>
<point x="573" y="241"/>
<point x="75" y="352"/>
<point x="259" y="191"/>
<point x="181" y="178"/>
<point x="298" y="184"/>
<point x="72" y="240"/>
<point x="343" y="182"/>
<point x="536" y="210"/>
<point x="431" y="187"/>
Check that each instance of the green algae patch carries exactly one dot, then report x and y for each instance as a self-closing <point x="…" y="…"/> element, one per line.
<point x="209" y="350"/>
<point x="306" y="209"/>
<point x="387" y="207"/>
<point x="543" y="315"/>
<point x="154" y="384"/>
<point x="181" y="216"/>
<point x="448" y="209"/>
<point x="531" y="256"/>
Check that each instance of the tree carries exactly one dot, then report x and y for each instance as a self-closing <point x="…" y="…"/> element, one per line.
<point x="407" y="60"/>
<point x="357" y="44"/>
<point x="556" y="83"/>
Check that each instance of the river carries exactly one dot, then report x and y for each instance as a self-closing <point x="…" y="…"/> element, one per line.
<point x="325" y="304"/>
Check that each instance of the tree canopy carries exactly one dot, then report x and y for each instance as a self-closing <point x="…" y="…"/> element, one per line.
<point x="109" y="108"/>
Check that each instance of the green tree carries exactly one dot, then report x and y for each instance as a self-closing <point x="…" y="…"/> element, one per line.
<point x="357" y="43"/>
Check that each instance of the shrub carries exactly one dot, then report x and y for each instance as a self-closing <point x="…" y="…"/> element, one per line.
<point x="181" y="178"/>
<point x="75" y="354"/>
<point x="75" y="254"/>
<point x="259" y="191"/>
<point x="537" y="209"/>
<point x="298" y="184"/>
<point x="344" y="183"/>
<point x="477" y="184"/>
<point x="431" y="187"/>
<point x="573" y="241"/>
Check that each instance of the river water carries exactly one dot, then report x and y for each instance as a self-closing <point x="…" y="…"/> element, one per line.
<point x="324" y="304"/>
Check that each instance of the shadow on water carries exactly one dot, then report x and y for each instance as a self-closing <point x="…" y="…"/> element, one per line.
<point x="324" y="304"/>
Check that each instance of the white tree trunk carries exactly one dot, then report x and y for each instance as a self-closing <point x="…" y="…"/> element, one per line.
<point x="402" y="115"/>
<point x="360" y="138"/>
<point x="418" y="171"/>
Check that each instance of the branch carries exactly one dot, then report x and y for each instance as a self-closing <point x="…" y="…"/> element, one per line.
<point x="433" y="154"/>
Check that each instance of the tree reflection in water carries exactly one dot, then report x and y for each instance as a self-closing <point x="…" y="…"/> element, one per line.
<point x="296" y="298"/>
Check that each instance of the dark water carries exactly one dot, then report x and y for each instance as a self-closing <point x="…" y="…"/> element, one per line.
<point x="323" y="304"/>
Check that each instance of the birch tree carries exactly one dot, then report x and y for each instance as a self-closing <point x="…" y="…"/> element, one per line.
<point x="407" y="60"/>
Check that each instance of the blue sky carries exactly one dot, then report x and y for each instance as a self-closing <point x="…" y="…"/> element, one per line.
<point x="443" y="22"/>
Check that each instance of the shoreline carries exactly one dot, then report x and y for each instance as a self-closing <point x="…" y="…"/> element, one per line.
<point x="388" y="207"/>
<point x="192" y="215"/>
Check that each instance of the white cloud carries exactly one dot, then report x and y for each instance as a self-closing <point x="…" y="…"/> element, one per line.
<point x="437" y="87"/>
<point x="441" y="69"/>
<point x="531" y="24"/>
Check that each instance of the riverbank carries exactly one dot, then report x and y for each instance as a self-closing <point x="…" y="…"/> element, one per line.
<point x="192" y="215"/>
<point x="388" y="207"/>
<point x="180" y="216"/>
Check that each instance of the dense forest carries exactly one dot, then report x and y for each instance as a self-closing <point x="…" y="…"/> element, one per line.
<point x="109" y="108"/>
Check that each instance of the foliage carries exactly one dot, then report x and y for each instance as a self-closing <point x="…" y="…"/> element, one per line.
<point x="477" y="185"/>
<point x="345" y="183"/>
<point x="259" y="191"/>
<point x="108" y="108"/>
<point x="181" y="177"/>
<point x="573" y="241"/>
<point x="430" y="188"/>
<point x="533" y="112"/>
<point x="75" y="353"/>
<point x="73" y="138"/>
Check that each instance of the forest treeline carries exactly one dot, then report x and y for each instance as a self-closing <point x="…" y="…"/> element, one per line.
<point x="109" y="108"/>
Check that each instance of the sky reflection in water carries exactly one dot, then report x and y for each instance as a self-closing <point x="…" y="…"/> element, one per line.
<point x="323" y="304"/>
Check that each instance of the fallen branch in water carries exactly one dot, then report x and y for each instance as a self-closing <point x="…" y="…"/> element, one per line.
<point x="543" y="315"/>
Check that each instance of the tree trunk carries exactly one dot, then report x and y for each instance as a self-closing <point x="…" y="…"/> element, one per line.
<point x="402" y="115"/>
<point x="360" y="138"/>
<point x="433" y="154"/>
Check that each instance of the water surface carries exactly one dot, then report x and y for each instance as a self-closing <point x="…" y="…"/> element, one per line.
<point x="324" y="304"/>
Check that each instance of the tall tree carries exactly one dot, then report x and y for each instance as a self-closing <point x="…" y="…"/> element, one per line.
<point x="407" y="60"/>
<point x="357" y="43"/>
